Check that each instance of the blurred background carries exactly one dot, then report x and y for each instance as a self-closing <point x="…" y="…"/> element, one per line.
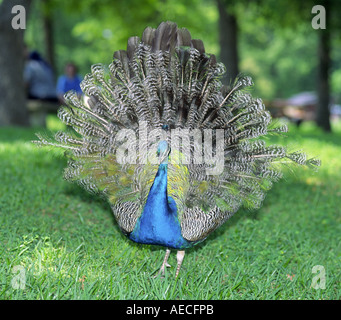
<point x="65" y="239"/>
<point x="296" y="68"/>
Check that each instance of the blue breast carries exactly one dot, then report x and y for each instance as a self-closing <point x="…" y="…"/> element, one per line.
<point x="159" y="223"/>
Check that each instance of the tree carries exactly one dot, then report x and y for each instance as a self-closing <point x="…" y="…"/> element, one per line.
<point x="228" y="40"/>
<point x="13" y="101"/>
<point x="290" y="14"/>
<point x="48" y="32"/>
<point x="107" y="27"/>
<point x="323" y="80"/>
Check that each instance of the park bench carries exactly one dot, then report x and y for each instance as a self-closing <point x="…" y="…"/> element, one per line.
<point x="39" y="109"/>
<point x="296" y="113"/>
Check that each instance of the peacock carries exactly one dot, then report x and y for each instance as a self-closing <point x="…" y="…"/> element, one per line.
<point x="174" y="151"/>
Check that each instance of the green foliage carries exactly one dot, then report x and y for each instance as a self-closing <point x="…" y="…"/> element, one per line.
<point x="88" y="33"/>
<point x="282" y="62"/>
<point x="277" y="44"/>
<point x="70" y="247"/>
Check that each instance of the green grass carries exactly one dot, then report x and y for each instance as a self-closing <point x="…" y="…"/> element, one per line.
<point x="69" y="246"/>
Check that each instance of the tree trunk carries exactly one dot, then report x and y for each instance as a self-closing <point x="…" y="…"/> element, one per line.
<point x="49" y="38"/>
<point x="228" y="40"/>
<point x="323" y="86"/>
<point x="13" y="109"/>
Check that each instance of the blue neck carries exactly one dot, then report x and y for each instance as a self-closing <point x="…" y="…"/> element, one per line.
<point x="158" y="223"/>
<point x="158" y="192"/>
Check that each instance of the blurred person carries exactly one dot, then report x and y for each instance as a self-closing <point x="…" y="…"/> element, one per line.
<point x="69" y="81"/>
<point x="39" y="78"/>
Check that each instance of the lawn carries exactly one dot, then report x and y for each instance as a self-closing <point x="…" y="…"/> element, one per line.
<point x="58" y="242"/>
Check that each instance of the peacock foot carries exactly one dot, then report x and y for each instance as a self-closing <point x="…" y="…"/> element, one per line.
<point x="179" y="257"/>
<point x="164" y="265"/>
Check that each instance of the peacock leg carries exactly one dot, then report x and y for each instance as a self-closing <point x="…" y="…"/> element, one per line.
<point x="179" y="257"/>
<point x="164" y="264"/>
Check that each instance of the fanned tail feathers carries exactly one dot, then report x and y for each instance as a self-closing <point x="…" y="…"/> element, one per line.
<point x="166" y="81"/>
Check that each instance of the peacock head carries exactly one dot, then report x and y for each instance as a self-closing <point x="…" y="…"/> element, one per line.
<point x="163" y="151"/>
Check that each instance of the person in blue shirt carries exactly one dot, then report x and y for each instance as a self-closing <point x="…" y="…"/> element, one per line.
<point x="69" y="81"/>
